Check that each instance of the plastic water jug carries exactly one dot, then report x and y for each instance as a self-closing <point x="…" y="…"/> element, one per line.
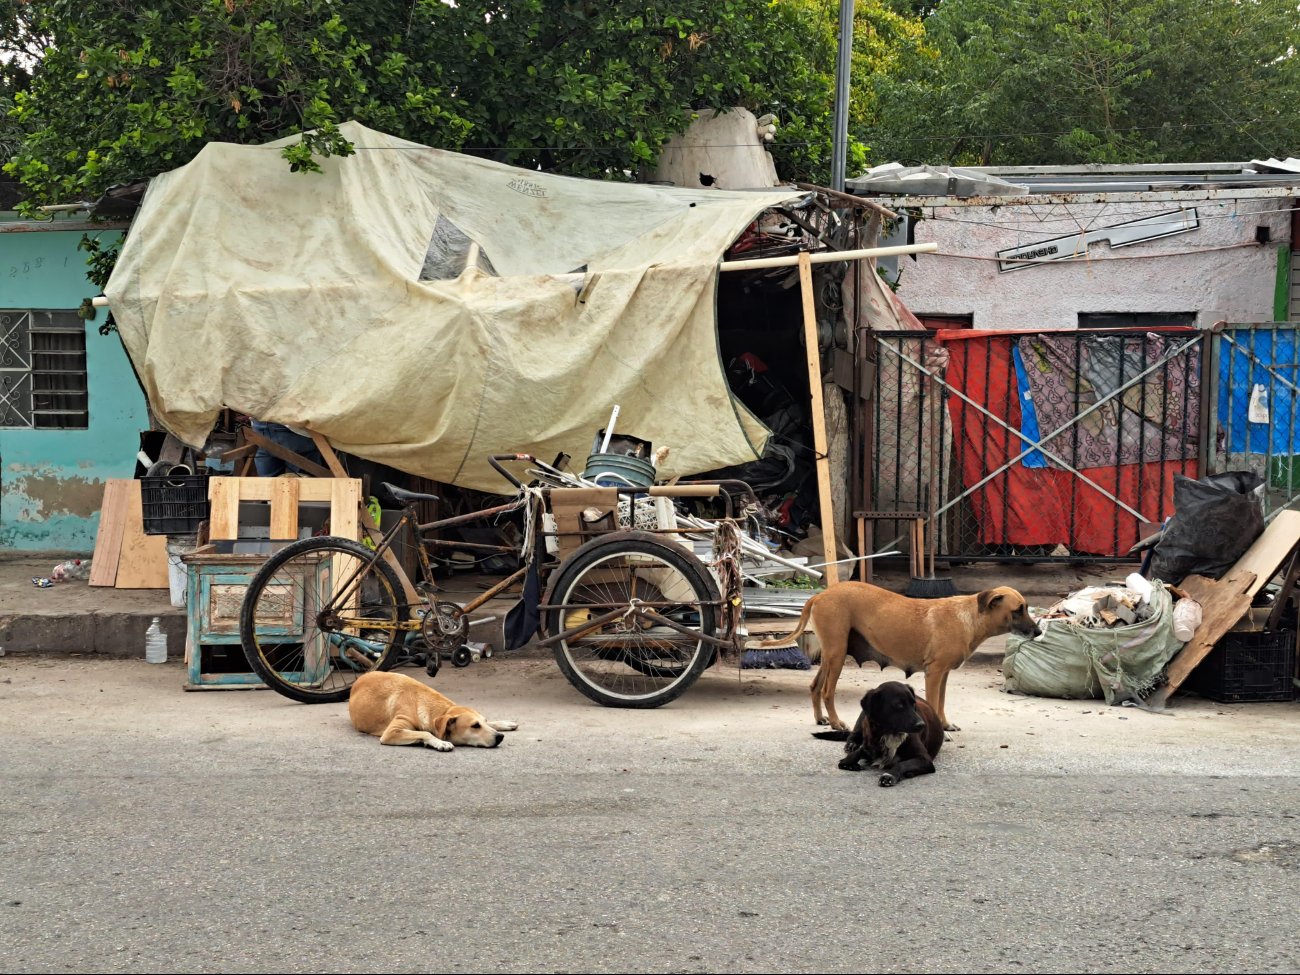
<point x="155" y="644"/>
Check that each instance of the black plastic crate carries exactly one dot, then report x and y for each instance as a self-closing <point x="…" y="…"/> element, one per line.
<point x="174" y="505"/>
<point x="1248" y="666"/>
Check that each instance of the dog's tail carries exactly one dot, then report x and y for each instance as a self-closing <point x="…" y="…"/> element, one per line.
<point x="831" y="735"/>
<point x="789" y="638"/>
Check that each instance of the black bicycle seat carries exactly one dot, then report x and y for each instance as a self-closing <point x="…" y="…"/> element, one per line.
<point x="403" y="496"/>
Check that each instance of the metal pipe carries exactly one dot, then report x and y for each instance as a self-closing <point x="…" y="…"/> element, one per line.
<point x="827" y="257"/>
<point x="843" y="64"/>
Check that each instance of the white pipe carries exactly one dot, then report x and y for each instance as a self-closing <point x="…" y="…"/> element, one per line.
<point x="827" y="257"/>
<point x="99" y="301"/>
<point x="609" y="429"/>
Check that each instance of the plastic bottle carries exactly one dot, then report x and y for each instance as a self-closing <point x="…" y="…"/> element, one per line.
<point x="155" y="644"/>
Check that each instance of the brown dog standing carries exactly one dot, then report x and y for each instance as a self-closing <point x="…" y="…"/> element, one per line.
<point x="865" y="622"/>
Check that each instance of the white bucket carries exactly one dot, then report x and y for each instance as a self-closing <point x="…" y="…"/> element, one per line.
<point x="177" y="576"/>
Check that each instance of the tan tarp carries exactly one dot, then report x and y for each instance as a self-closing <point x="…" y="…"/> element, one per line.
<point x="298" y="298"/>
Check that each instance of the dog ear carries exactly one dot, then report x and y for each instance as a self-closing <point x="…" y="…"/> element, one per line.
<point x="442" y="725"/>
<point x="989" y="599"/>
<point x="866" y="699"/>
<point x="911" y="692"/>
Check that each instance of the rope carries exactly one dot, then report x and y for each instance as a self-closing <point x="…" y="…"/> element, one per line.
<point x="726" y="565"/>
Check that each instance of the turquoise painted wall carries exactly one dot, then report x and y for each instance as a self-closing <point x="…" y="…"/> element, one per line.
<point x="52" y="481"/>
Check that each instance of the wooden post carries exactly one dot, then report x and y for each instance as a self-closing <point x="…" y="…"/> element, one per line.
<point x="367" y="520"/>
<point x="818" y="419"/>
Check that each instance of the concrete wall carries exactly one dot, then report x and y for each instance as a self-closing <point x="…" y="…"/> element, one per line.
<point x="52" y="481"/>
<point x="1173" y="274"/>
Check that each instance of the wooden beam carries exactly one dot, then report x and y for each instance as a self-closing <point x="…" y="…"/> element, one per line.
<point x="367" y="520"/>
<point x="819" y="420"/>
<point x="285" y="454"/>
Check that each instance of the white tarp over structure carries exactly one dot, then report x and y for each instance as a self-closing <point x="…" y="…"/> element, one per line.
<point x="299" y="299"/>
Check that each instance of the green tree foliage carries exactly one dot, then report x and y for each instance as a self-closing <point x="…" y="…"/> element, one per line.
<point x="121" y="90"/>
<point x="1094" y="81"/>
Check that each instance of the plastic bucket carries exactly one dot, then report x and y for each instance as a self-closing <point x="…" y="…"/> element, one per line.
<point x="619" y="470"/>
<point x="177" y="576"/>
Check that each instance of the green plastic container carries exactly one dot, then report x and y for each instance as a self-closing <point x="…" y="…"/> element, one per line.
<point x="619" y="470"/>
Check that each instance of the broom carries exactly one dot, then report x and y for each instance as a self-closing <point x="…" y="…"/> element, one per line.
<point x="930" y="586"/>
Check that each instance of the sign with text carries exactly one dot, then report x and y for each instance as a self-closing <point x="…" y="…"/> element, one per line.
<point x="1117" y="235"/>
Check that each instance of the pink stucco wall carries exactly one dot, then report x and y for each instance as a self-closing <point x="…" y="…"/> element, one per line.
<point x="1197" y="271"/>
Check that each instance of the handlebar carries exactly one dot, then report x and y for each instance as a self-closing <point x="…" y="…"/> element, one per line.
<point x="495" y="461"/>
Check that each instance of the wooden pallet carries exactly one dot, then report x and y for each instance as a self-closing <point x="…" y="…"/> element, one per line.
<point x="284" y="495"/>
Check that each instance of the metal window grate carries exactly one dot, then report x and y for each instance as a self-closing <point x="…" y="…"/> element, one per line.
<point x="43" y="370"/>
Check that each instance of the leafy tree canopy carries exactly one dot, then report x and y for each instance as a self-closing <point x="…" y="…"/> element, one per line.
<point x="1093" y="81"/>
<point x="120" y="90"/>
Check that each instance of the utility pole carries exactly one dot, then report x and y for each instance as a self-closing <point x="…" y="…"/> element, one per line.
<point x="840" y="141"/>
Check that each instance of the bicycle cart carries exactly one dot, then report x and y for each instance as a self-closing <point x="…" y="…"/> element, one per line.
<point x="631" y="613"/>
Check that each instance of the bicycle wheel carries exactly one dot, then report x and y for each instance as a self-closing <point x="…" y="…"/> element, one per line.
<point x="317" y="616"/>
<point x="636" y="659"/>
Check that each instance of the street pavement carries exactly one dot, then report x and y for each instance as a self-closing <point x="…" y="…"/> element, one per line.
<point x="149" y="829"/>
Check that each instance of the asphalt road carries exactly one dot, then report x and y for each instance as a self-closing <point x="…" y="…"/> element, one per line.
<point x="151" y="830"/>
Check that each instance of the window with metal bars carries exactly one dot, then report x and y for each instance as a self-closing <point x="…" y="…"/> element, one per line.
<point x="43" y="370"/>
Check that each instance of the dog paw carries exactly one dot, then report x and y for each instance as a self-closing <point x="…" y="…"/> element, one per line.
<point x="850" y="765"/>
<point x="887" y="779"/>
<point x="438" y="745"/>
<point x="951" y="727"/>
<point x="504" y="725"/>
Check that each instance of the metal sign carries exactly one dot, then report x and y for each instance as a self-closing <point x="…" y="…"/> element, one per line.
<point x="1117" y="235"/>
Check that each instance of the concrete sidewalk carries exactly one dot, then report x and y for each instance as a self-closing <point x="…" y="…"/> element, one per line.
<point x="75" y="617"/>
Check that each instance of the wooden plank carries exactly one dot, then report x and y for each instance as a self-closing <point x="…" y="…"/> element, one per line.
<point x="284" y="507"/>
<point x="1223" y="603"/>
<point x="142" y="563"/>
<point x="284" y="453"/>
<point x="1268" y="553"/>
<point x="108" y="540"/>
<point x="367" y="520"/>
<point x="223" y="513"/>
<point x="345" y="501"/>
<point x="819" y="420"/>
<point x="1274" y="622"/>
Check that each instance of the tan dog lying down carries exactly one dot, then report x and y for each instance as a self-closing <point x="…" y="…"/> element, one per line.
<point x="865" y="622"/>
<point x="403" y="711"/>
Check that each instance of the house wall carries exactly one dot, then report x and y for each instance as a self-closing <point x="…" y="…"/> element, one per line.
<point x="1198" y="271"/>
<point x="52" y="481"/>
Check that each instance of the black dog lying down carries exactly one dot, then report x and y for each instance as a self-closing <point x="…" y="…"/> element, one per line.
<point x="896" y="732"/>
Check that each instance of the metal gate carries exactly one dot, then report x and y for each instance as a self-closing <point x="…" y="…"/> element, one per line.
<point x="1254" y="383"/>
<point x="1051" y="445"/>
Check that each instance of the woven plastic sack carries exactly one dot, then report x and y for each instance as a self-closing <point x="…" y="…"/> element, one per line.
<point x="1073" y="661"/>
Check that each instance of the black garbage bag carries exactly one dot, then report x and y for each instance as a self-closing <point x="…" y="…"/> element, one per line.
<point x="1215" y="520"/>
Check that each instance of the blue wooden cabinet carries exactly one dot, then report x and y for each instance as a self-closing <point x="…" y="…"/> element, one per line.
<point x="216" y="585"/>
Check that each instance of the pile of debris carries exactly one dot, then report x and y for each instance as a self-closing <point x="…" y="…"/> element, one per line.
<point x="1116" y="605"/>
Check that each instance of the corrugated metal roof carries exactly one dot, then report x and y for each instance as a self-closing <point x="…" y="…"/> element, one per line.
<point x="1271" y="177"/>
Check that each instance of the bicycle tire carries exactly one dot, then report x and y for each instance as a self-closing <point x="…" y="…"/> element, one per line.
<point x="632" y="662"/>
<point x="300" y="652"/>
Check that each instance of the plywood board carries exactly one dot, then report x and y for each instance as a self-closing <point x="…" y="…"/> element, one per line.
<point x="108" y="540"/>
<point x="1223" y="603"/>
<point x="1266" y="556"/>
<point x="143" y="560"/>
